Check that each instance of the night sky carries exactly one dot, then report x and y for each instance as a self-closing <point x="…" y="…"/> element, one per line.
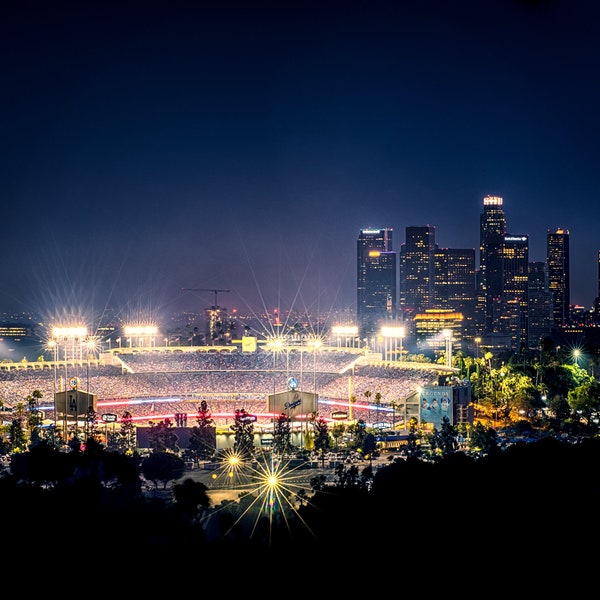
<point x="148" y="147"/>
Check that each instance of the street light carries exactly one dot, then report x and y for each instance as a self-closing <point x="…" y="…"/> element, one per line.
<point x="477" y="342"/>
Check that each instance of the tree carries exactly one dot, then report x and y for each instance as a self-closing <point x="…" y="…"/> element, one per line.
<point x="584" y="401"/>
<point x="377" y="404"/>
<point x="92" y="430"/>
<point x="16" y="433"/>
<point x="243" y="428"/>
<point x="369" y="448"/>
<point x="162" y="467"/>
<point x="34" y="417"/>
<point x="560" y="408"/>
<point x="413" y="441"/>
<point x="203" y="436"/>
<point x="190" y="494"/>
<point x="124" y="439"/>
<point x="446" y="439"/>
<point x="358" y="431"/>
<point x="337" y="432"/>
<point x="282" y="434"/>
<point x="483" y="440"/>
<point x="322" y="439"/>
<point x="161" y="437"/>
<point x="394" y="405"/>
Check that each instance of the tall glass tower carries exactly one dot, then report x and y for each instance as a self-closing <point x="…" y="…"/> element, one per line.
<point x="540" y="304"/>
<point x="557" y="257"/>
<point x="376" y="281"/>
<point x="417" y="273"/>
<point x="515" y="293"/>
<point x="454" y="284"/>
<point x="492" y="229"/>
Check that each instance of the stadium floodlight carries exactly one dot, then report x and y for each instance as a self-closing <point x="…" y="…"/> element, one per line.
<point x="344" y="330"/>
<point x="70" y="338"/>
<point x="140" y="330"/>
<point x="69" y="332"/>
<point x="391" y="335"/>
<point x="392" y="332"/>
<point x="314" y="342"/>
<point x="348" y="333"/>
<point x="276" y="344"/>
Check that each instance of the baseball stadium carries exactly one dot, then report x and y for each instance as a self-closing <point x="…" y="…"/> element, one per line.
<point x="170" y="382"/>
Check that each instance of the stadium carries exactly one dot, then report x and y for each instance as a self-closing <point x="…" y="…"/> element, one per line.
<point x="170" y="382"/>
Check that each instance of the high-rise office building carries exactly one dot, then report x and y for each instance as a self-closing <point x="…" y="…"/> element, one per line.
<point x="540" y="305"/>
<point x="557" y="257"/>
<point x="515" y="276"/>
<point x="492" y="229"/>
<point x="377" y="275"/>
<point x="417" y="270"/>
<point x="454" y="284"/>
<point x="596" y="312"/>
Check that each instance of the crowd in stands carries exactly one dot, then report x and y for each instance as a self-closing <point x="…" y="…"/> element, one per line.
<point x="154" y="386"/>
<point x="293" y="361"/>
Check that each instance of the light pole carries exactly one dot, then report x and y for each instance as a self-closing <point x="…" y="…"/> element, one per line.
<point x="447" y="333"/>
<point x="391" y="335"/>
<point x="477" y="342"/>
<point x="70" y="334"/>
<point x="351" y="392"/>
<point x="90" y="345"/>
<point x="53" y="346"/>
<point x="402" y="333"/>
<point x="316" y="344"/>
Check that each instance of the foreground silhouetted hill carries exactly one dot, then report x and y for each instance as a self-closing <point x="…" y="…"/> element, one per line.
<point x="515" y="504"/>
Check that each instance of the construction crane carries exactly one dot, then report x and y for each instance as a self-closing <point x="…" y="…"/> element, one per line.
<point x="213" y="290"/>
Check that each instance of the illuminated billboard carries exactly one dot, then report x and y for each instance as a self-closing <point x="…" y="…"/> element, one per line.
<point x="435" y="404"/>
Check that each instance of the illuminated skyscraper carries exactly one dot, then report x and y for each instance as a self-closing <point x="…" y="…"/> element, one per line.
<point x="596" y="313"/>
<point x="540" y="304"/>
<point x="557" y="257"/>
<point x="454" y="284"/>
<point x="417" y="270"/>
<point x="492" y="229"/>
<point x="377" y="276"/>
<point x="514" y="313"/>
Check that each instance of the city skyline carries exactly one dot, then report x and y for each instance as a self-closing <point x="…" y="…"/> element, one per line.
<point x="149" y="153"/>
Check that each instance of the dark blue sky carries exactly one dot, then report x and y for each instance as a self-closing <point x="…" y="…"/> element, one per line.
<point x="148" y="147"/>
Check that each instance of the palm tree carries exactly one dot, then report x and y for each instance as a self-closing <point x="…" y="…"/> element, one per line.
<point x="394" y="406"/>
<point x="367" y="395"/>
<point x="378" y="403"/>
